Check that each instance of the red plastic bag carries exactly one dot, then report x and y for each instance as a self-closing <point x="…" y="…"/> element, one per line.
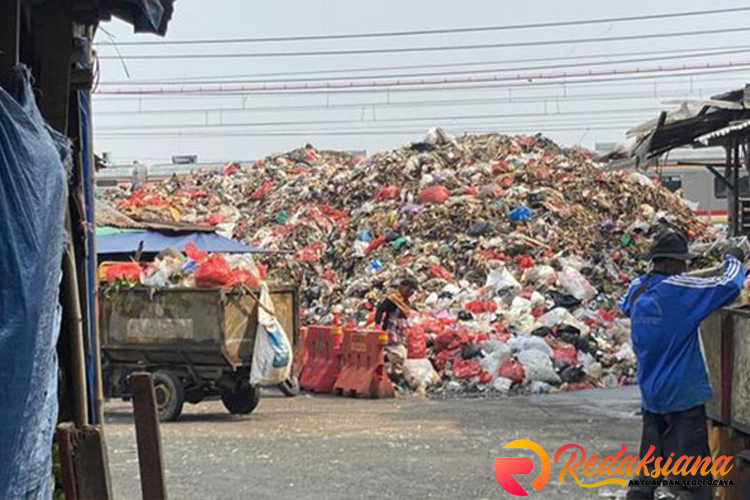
<point x="445" y="342"/>
<point x="308" y="254"/>
<point x="433" y="194"/>
<point x="513" y="371"/>
<point x="481" y="306"/>
<point x="331" y="212"/>
<point x="386" y="193"/>
<point x="524" y="261"/>
<point x="566" y="355"/>
<point x="214" y="272"/>
<point x="439" y="271"/>
<point x="328" y="275"/>
<point x="607" y="315"/>
<point x="443" y="357"/>
<point x="485" y="377"/>
<point x="506" y="181"/>
<point x="197" y="255"/>
<point x="493" y="255"/>
<point x="467" y="368"/>
<point x="125" y="271"/>
<point x="213" y="219"/>
<point x="263" y="190"/>
<point x="416" y="343"/>
<point x="230" y="169"/>
<point x="374" y="244"/>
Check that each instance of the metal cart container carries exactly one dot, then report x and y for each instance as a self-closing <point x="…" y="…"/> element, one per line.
<point x="197" y="343"/>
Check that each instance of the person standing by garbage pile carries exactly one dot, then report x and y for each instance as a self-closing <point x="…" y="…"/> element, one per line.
<point x="392" y="316"/>
<point x="665" y="307"/>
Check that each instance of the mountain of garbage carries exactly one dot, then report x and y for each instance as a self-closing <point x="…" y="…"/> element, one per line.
<point x="522" y="248"/>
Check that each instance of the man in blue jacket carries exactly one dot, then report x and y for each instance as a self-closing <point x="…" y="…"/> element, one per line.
<point x="665" y="307"/>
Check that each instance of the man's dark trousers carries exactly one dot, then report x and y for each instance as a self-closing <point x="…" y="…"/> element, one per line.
<point x="683" y="433"/>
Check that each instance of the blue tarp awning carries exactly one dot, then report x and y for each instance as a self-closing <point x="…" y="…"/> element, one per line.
<point x="146" y="16"/>
<point x="155" y="242"/>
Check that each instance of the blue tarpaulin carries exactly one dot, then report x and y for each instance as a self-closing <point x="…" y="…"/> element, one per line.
<point x="33" y="196"/>
<point x="154" y="241"/>
<point x="147" y="16"/>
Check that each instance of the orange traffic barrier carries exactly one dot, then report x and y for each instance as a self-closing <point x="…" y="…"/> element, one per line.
<point x="323" y="363"/>
<point x="362" y="365"/>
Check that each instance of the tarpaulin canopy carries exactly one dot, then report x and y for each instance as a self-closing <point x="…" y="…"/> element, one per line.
<point x="146" y="16"/>
<point x="33" y="194"/>
<point x="154" y="241"/>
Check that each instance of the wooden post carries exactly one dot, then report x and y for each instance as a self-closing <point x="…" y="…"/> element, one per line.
<point x="52" y="34"/>
<point x="74" y="328"/>
<point x="150" y="460"/>
<point x="10" y="27"/>
<point x="84" y="464"/>
<point x="723" y="441"/>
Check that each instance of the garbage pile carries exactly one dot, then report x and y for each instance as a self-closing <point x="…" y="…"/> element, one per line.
<point x="195" y="269"/>
<point x="522" y="248"/>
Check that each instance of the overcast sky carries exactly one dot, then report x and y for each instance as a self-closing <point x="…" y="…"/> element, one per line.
<point x="208" y="120"/>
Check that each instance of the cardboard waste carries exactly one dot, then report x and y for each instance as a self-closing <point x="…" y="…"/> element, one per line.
<point x="522" y="248"/>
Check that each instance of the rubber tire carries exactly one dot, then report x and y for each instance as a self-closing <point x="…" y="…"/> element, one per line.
<point x="169" y="390"/>
<point x="290" y="387"/>
<point x="241" y="401"/>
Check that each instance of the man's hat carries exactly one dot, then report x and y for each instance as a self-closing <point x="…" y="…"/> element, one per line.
<point x="671" y="245"/>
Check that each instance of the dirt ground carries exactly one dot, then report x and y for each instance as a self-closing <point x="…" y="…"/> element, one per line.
<point x="316" y="447"/>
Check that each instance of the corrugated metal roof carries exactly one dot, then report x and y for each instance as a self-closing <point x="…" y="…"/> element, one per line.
<point x="108" y="216"/>
<point x="722" y="132"/>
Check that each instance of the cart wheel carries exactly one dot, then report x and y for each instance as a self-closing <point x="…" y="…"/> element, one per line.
<point x="170" y="395"/>
<point x="241" y="401"/>
<point x="290" y="387"/>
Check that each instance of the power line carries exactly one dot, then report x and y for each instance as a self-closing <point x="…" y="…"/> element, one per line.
<point x="551" y="100"/>
<point x="408" y="104"/>
<point x="389" y="120"/>
<point x="403" y="50"/>
<point x="511" y="93"/>
<point x="206" y="79"/>
<point x="449" y="73"/>
<point x="445" y="31"/>
<point x="446" y="83"/>
<point x="302" y="134"/>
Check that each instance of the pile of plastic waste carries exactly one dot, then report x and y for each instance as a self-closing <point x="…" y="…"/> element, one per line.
<point x="195" y="269"/>
<point x="522" y="248"/>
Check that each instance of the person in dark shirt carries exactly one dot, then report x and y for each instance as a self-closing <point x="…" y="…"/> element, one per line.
<point x="392" y="316"/>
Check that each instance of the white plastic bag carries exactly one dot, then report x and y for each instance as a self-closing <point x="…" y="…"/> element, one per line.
<point x="502" y="385"/>
<point x="501" y="280"/>
<point x="561" y="316"/>
<point x="575" y="284"/>
<point x="420" y="374"/>
<point x="492" y="363"/>
<point x="542" y="276"/>
<point x="530" y="343"/>
<point x="272" y="357"/>
<point x="538" y="366"/>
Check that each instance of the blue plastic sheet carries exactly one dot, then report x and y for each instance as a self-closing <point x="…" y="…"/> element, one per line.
<point x="33" y="194"/>
<point x="156" y="242"/>
<point x="148" y="16"/>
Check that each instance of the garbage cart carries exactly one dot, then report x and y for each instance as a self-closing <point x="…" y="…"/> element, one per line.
<point x="197" y="343"/>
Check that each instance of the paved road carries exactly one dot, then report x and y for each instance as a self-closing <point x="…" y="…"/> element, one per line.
<point x="336" y="448"/>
